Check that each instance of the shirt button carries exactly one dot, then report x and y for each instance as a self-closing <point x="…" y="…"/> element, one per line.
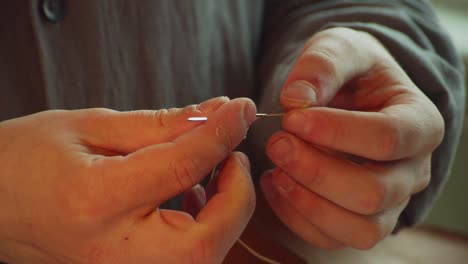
<point x="54" y="10"/>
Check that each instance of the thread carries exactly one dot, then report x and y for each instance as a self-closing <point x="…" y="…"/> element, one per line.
<point x="257" y="254"/>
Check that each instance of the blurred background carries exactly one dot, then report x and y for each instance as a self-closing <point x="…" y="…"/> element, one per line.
<point x="451" y="209"/>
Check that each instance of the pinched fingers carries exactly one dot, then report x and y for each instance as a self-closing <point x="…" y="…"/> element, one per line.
<point x="156" y="173"/>
<point x="348" y="69"/>
<point x="378" y="116"/>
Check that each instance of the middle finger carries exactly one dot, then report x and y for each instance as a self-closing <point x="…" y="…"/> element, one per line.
<point x="362" y="188"/>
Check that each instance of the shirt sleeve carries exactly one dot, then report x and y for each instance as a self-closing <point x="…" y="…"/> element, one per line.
<point x="408" y="29"/>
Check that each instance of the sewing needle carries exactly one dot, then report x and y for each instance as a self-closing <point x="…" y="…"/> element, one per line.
<point x="204" y="118"/>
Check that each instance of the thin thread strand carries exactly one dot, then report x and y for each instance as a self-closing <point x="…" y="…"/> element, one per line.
<point x="243" y="244"/>
<point x="257" y="254"/>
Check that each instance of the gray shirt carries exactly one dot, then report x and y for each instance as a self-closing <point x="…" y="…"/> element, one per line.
<point x="147" y="54"/>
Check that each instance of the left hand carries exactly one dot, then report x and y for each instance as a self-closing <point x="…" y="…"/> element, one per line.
<point x="357" y="142"/>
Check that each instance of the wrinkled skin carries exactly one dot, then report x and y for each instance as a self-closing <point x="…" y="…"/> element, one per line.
<point x="84" y="186"/>
<point x="356" y="142"/>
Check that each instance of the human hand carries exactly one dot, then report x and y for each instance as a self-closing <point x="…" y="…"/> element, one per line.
<point x="357" y="142"/>
<point x="83" y="186"/>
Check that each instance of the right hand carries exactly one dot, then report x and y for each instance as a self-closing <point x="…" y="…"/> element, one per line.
<point x="84" y="186"/>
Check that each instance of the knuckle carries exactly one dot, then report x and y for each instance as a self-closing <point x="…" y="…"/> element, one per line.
<point x="390" y="143"/>
<point x="316" y="177"/>
<point x="186" y="172"/>
<point x="97" y="111"/>
<point x="351" y="40"/>
<point x="84" y="114"/>
<point x="342" y="31"/>
<point x="426" y="176"/>
<point x="188" y="110"/>
<point x="426" y="179"/>
<point x="438" y="128"/>
<point x="344" y="37"/>
<point x="375" y="199"/>
<point x="85" y="117"/>
<point x="160" y="116"/>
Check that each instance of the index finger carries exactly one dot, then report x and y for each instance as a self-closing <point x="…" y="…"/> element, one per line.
<point x="156" y="173"/>
<point x="396" y="132"/>
<point x="328" y="61"/>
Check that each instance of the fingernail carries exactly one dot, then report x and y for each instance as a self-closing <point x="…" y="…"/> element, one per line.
<point x="297" y="123"/>
<point x="212" y="104"/>
<point x="244" y="160"/>
<point x="199" y="191"/>
<point x="283" y="182"/>
<point x="300" y="94"/>
<point x="281" y="150"/>
<point x="249" y="112"/>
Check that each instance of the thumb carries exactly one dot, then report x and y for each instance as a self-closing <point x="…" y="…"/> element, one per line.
<point x="126" y="132"/>
<point x="328" y="61"/>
